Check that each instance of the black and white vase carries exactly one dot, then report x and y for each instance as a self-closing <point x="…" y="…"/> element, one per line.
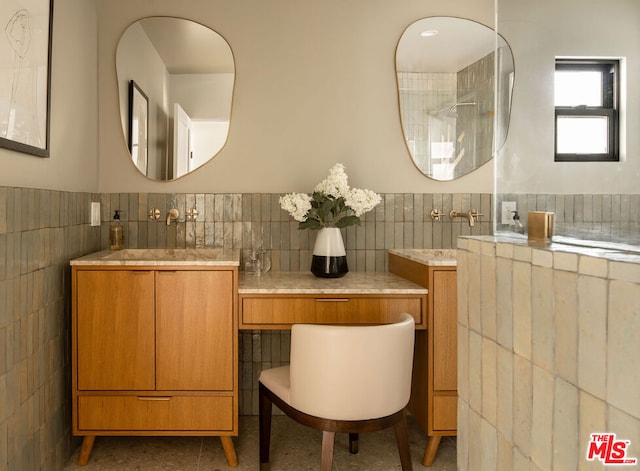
<point x="329" y="256"/>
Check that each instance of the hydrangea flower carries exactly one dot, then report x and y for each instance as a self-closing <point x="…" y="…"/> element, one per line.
<point x="332" y="204"/>
<point x="296" y="204"/>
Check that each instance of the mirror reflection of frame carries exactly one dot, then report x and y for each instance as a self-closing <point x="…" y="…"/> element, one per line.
<point x="187" y="72"/>
<point x="138" y="126"/>
<point x="447" y="83"/>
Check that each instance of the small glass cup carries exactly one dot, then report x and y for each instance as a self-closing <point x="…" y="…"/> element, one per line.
<point x="252" y="263"/>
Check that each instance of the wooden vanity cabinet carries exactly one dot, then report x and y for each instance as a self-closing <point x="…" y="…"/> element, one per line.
<point x="434" y="395"/>
<point x="154" y="352"/>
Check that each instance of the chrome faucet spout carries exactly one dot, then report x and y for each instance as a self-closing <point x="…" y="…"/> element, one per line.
<point x="172" y="214"/>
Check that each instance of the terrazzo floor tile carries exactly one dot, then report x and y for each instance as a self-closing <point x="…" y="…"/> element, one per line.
<point x="293" y="448"/>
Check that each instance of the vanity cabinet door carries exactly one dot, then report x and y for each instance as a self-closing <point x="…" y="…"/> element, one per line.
<point x="444" y="328"/>
<point x="115" y="330"/>
<point x="194" y="330"/>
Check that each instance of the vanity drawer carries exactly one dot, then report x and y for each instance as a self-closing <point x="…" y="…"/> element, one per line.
<point x="276" y="312"/>
<point x="155" y="413"/>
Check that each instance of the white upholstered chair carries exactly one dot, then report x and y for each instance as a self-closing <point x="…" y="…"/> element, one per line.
<point x="349" y="379"/>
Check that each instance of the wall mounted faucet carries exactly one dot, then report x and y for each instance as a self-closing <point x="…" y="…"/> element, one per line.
<point x="471" y="216"/>
<point x="172" y="214"/>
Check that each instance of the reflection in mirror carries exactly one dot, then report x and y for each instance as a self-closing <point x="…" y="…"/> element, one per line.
<point x="446" y="87"/>
<point x="187" y="73"/>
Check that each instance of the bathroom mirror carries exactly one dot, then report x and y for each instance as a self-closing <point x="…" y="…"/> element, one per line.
<point x="446" y="75"/>
<point x="187" y="72"/>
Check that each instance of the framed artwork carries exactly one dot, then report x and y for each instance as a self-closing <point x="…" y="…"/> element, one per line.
<point x="25" y="75"/>
<point x="138" y="126"/>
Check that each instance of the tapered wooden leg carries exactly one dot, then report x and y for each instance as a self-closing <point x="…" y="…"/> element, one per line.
<point x="402" y="439"/>
<point x="229" y="450"/>
<point x="328" y="440"/>
<point x="264" y="419"/>
<point x="433" y="442"/>
<point x="353" y="443"/>
<point x="85" y="449"/>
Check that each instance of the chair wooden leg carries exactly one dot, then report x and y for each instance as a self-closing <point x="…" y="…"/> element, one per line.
<point x="433" y="442"/>
<point x="353" y="443"/>
<point x="402" y="439"/>
<point x="328" y="440"/>
<point x="264" y="412"/>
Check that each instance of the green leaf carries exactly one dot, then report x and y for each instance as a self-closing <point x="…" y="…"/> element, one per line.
<point x="312" y="224"/>
<point x="347" y="221"/>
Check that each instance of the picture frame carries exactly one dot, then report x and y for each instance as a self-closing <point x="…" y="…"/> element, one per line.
<point x="138" y="126"/>
<point x="25" y="78"/>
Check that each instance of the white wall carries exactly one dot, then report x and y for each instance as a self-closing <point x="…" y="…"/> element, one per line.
<point x="538" y="32"/>
<point x="315" y="84"/>
<point x="73" y="161"/>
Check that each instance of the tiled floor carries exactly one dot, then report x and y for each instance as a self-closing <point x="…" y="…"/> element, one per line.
<point x="293" y="448"/>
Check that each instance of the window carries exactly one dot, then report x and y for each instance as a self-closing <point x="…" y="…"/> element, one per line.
<point x="586" y="104"/>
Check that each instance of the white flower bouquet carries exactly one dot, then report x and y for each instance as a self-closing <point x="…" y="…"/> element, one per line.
<point x="332" y="204"/>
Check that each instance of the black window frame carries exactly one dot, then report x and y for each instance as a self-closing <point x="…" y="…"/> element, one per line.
<point x="610" y="69"/>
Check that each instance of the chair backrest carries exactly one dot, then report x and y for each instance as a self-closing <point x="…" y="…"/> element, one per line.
<point x="352" y="372"/>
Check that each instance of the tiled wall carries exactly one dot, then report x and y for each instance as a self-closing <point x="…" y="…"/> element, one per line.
<point x="40" y="231"/>
<point x="548" y="350"/>
<point x="608" y="217"/>
<point x="236" y="220"/>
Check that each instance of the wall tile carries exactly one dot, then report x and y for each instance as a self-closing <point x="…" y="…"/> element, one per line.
<point x="566" y="453"/>
<point x="504" y="312"/>
<point x="593" y="266"/>
<point x="593" y="419"/>
<point x="489" y="380"/>
<point x="463" y="363"/>
<point x="521" y="308"/>
<point x="623" y="348"/>
<point x="592" y="340"/>
<point x="542" y="418"/>
<point x="489" y="446"/>
<point x="488" y="289"/>
<point x="542" y="317"/>
<point x="475" y="371"/>
<point x="522" y="403"/>
<point x="504" y="360"/>
<point x="566" y="325"/>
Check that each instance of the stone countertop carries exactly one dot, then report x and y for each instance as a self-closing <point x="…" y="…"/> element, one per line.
<point x="161" y="257"/>
<point x="307" y="283"/>
<point x="430" y="257"/>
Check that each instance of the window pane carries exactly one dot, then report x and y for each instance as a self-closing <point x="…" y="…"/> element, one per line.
<point x="582" y="135"/>
<point x="575" y="88"/>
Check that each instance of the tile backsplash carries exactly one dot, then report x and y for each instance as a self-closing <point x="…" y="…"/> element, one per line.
<point x="234" y="220"/>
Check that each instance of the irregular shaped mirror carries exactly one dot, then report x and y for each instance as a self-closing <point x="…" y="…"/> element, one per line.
<point x="175" y="80"/>
<point x="446" y="87"/>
